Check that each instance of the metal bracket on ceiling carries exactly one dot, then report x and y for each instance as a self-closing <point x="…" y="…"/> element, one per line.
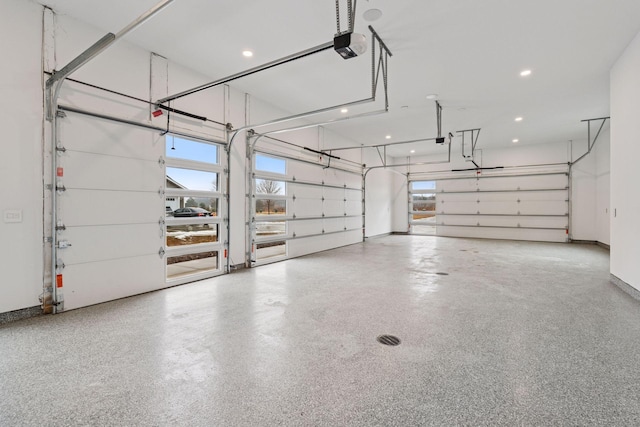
<point x="383" y="158"/>
<point x="474" y="134"/>
<point x="590" y="143"/>
<point x="439" y="118"/>
<point x="351" y="13"/>
<point x="379" y="66"/>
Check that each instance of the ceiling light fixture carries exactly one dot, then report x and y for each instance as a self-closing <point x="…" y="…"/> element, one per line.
<point x="432" y="96"/>
<point x="525" y="73"/>
<point x="518" y="119"/>
<point x="247" y="53"/>
<point x="372" y="15"/>
<point x="515" y="140"/>
<point x="413" y="151"/>
<point x="344" y="110"/>
<point x="388" y="137"/>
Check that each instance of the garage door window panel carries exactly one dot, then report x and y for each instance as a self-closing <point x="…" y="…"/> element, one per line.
<point x="193" y="202"/>
<point x="180" y="148"/>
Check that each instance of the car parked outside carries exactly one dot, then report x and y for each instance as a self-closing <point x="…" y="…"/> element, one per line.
<point x="190" y="212"/>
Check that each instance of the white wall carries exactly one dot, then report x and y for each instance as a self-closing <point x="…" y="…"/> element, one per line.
<point x="625" y="174"/>
<point x="400" y="202"/>
<point x="379" y="200"/>
<point x="590" y="189"/>
<point x="603" y="188"/>
<point x="21" y="251"/>
<point x="583" y="194"/>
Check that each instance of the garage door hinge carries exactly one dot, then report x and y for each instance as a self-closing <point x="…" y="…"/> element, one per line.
<point x="63" y="244"/>
<point x="61" y="149"/>
<point x="61" y="227"/>
<point x="161" y="252"/>
<point x="61" y="114"/>
<point x="161" y="161"/>
<point x="61" y="188"/>
<point x="161" y="191"/>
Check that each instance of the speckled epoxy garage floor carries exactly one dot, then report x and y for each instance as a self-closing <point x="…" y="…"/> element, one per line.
<point x="517" y="333"/>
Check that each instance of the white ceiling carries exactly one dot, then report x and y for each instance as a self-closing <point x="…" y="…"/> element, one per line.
<point x="469" y="52"/>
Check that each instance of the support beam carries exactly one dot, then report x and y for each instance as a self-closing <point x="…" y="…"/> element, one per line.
<point x="254" y="70"/>
<point x="99" y="46"/>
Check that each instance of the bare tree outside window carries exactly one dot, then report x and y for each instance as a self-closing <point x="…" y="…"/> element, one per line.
<point x="267" y="186"/>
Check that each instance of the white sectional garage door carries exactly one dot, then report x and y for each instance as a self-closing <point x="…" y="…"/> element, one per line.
<point x="300" y="206"/>
<point x="116" y="235"/>
<point x="525" y="206"/>
<point x="111" y="210"/>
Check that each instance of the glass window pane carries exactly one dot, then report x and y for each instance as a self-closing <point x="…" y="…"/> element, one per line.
<point x="423" y="216"/>
<point x="191" y="234"/>
<point x="271" y="207"/>
<point x="185" y="265"/>
<point x="270" y="228"/>
<point x="423" y="185"/>
<point x="271" y="164"/>
<point x="190" y="179"/>
<point x="424" y="202"/>
<point x="267" y="186"/>
<point x="172" y="204"/>
<point x="179" y="148"/>
<point x="268" y="250"/>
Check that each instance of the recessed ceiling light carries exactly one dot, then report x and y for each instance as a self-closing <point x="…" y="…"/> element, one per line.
<point x="518" y="119"/>
<point x="432" y="96"/>
<point x="388" y="137"/>
<point x="344" y="110"/>
<point x="247" y="53"/>
<point x="515" y="140"/>
<point x="413" y="151"/>
<point x="525" y="73"/>
<point x="372" y="15"/>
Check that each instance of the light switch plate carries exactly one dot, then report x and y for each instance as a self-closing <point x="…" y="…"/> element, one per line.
<point x="12" y="215"/>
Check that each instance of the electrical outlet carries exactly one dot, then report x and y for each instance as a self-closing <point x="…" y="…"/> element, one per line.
<point x="12" y="215"/>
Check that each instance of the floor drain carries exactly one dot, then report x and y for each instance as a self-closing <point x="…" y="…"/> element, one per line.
<point x="388" y="340"/>
<point x="442" y="274"/>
